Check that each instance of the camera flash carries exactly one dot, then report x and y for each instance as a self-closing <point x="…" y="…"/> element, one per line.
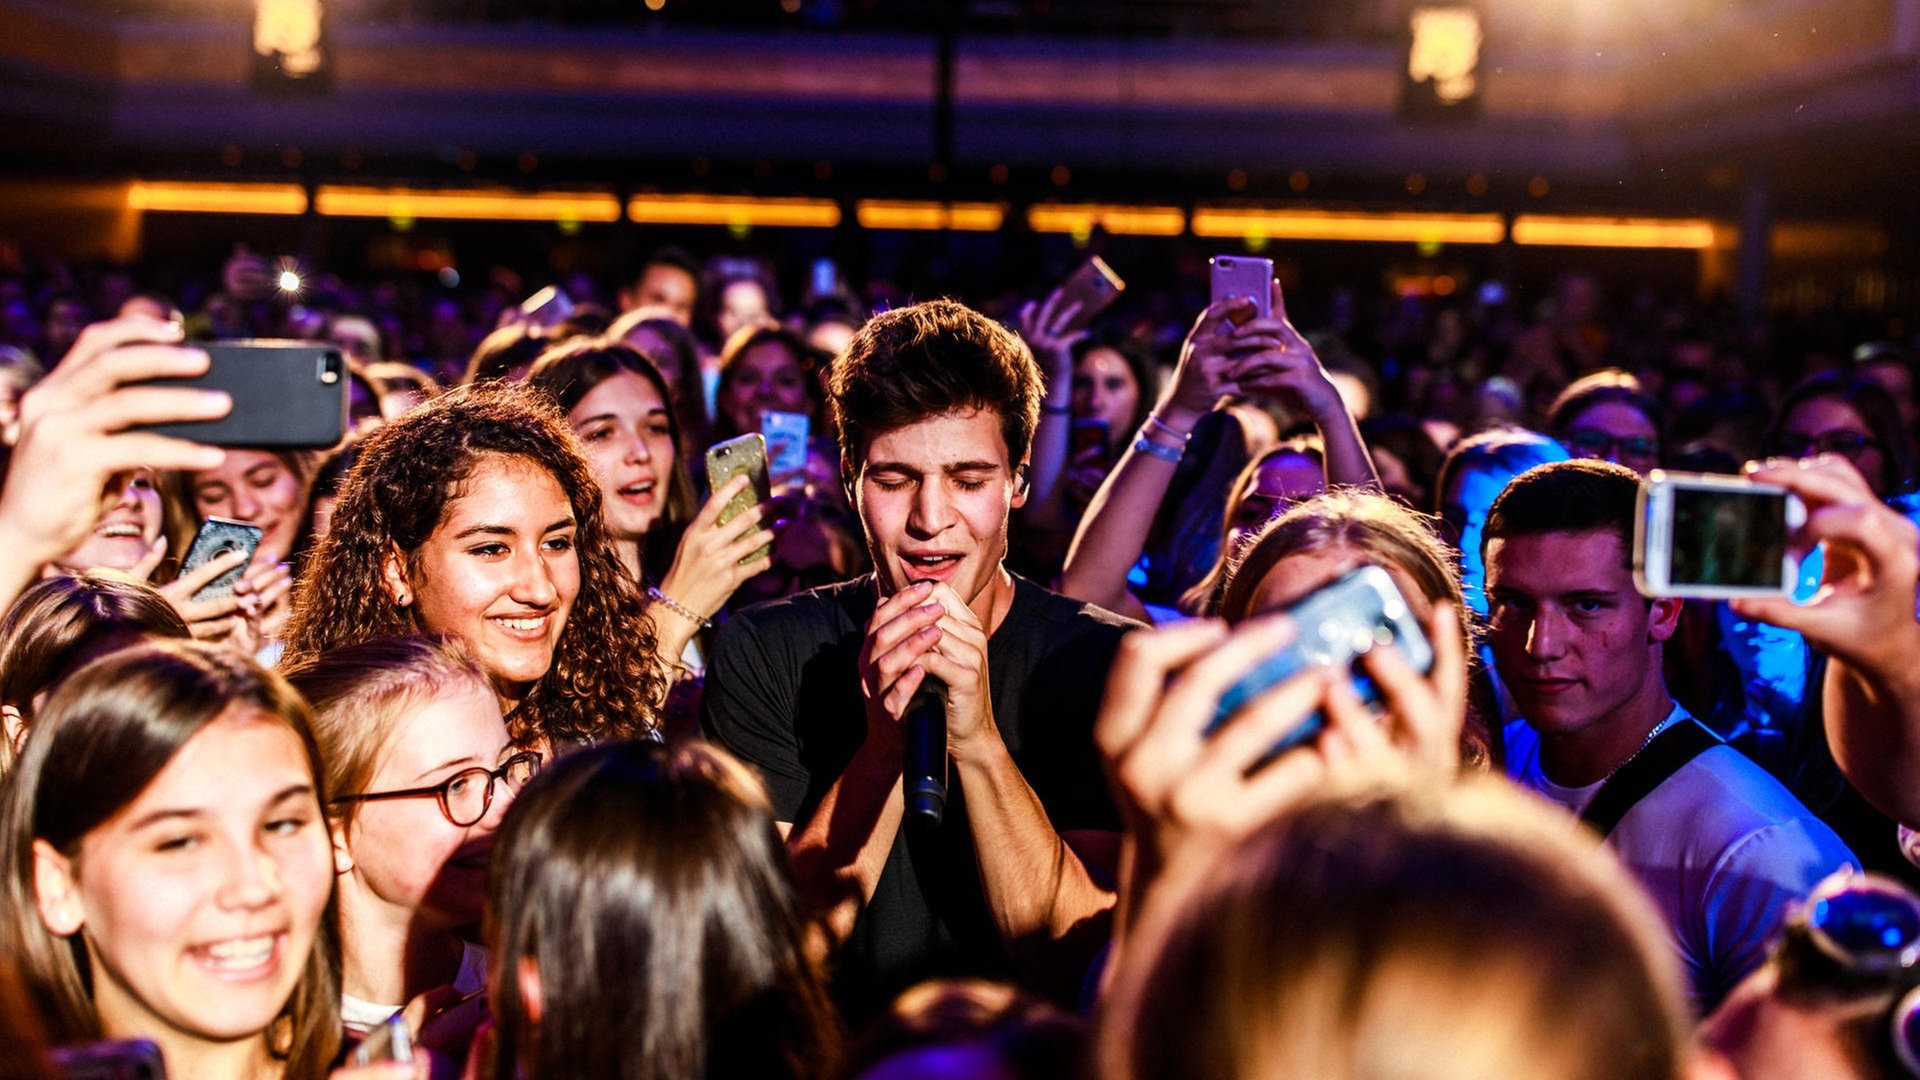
<point x="289" y="281"/>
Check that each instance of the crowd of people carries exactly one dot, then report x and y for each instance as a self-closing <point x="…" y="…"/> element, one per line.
<point x="512" y="736"/>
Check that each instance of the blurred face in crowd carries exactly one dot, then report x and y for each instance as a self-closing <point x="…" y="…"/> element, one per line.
<point x="1897" y="380"/>
<point x="500" y="571"/>
<point x="1283" y="479"/>
<point x="659" y="350"/>
<point x="1104" y="389"/>
<point x="1575" y="642"/>
<point x="255" y="486"/>
<point x="198" y="902"/>
<point x="358" y="338"/>
<point x="934" y="498"/>
<point x="125" y="533"/>
<point x="625" y="429"/>
<point x="1615" y="431"/>
<point x="667" y="287"/>
<point x="743" y="302"/>
<point x="1829" y="425"/>
<point x="765" y="378"/>
<point x="404" y="862"/>
<point x="1297" y="576"/>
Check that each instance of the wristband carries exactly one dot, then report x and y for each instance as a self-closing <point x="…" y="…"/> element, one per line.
<point x="1169" y="454"/>
<point x="680" y="609"/>
<point x="1154" y="421"/>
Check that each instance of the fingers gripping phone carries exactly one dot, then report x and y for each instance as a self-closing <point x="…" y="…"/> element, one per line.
<point x="1245" y="277"/>
<point x="289" y="394"/>
<point x="1337" y="624"/>
<point x="1094" y="286"/>
<point x="391" y="1041"/>
<point x="746" y="454"/>
<point x="1699" y="536"/>
<point x="216" y="537"/>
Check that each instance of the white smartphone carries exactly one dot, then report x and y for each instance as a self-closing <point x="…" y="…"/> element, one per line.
<point x="1243" y="276"/>
<point x="1699" y="536"/>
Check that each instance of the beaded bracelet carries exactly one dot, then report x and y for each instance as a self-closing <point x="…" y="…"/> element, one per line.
<point x="679" y="608"/>
<point x="1154" y="421"/>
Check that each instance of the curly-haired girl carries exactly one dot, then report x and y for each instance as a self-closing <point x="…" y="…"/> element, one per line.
<point x="476" y="516"/>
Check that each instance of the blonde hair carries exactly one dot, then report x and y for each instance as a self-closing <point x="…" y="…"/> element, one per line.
<point x="1464" y="933"/>
<point x="359" y="694"/>
<point x="1388" y="532"/>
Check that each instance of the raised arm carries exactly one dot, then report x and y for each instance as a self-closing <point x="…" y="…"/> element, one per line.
<point x="74" y="437"/>
<point x="1041" y="327"/>
<point x="1113" y="532"/>
<point x="1863" y="619"/>
<point x="1293" y="374"/>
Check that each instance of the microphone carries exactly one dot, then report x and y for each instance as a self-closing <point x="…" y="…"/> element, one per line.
<point x="924" y="758"/>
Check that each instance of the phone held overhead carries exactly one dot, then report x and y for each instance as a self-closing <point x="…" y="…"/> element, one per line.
<point x="1700" y="536"/>
<point x="286" y="395"/>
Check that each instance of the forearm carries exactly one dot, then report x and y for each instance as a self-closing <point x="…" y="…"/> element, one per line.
<point x="839" y="854"/>
<point x="1113" y="531"/>
<point x="1039" y="891"/>
<point x="1046" y="497"/>
<point x="1348" y="464"/>
<point x="1873" y="726"/>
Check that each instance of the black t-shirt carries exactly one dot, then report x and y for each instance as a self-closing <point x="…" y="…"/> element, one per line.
<point x="783" y="693"/>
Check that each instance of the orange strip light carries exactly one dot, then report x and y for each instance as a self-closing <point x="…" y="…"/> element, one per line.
<point x="478" y="205"/>
<point x="734" y="211"/>
<point x="1080" y="219"/>
<point x="908" y="214"/>
<point x="1551" y="230"/>
<point x="191" y="198"/>
<point x="1348" y="225"/>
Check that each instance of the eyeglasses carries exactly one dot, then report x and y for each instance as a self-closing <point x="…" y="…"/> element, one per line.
<point x="1848" y="444"/>
<point x="1591" y="441"/>
<point x="1860" y="933"/>
<point x="465" y="796"/>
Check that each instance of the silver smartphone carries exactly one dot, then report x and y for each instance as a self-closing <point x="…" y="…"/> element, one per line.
<point x="726" y="460"/>
<point x="1707" y="537"/>
<point x="216" y="537"/>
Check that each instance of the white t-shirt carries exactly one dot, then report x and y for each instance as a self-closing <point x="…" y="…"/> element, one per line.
<point x="361" y="1016"/>
<point x="1722" y="848"/>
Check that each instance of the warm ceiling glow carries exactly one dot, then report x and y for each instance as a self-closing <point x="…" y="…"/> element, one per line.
<point x="289" y="29"/>
<point x="907" y="214"/>
<point x="1446" y="49"/>
<point x="1552" y="230"/>
<point x="1348" y="225"/>
<point x="1080" y="219"/>
<point x="735" y="211"/>
<point x="481" y="205"/>
<point x="194" y="198"/>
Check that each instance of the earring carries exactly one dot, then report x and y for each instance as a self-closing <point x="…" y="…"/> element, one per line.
<point x="404" y="599"/>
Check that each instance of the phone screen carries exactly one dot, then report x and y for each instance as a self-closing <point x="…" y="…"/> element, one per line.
<point x="1735" y="538"/>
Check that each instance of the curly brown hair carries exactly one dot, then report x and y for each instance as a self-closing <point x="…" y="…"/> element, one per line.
<point x="604" y="683"/>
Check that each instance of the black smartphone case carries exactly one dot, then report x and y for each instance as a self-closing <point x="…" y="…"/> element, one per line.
<point x="286" y="395"/>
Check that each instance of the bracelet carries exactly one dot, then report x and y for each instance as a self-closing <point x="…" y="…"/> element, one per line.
<point x="1168" y="454"/>
<point x="1154" y="421"/>
<point x="679" y="608"/>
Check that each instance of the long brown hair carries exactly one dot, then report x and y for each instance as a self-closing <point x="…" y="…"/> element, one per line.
<point x="102" y="739"/>
<point x="62" y="622"/>
<point x="603" y="682"/>
<point x="663" y="865"/>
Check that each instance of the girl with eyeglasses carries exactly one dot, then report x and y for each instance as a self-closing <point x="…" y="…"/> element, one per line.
<point x="1853" y="418"/>
<point x="167" y="870"/>
<point x="421" y="772"/>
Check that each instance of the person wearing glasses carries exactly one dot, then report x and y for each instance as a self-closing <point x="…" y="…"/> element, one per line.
<point x="1854" y="418"/>
<point x="421" y="771"/>
<point x="1607" y="415"/>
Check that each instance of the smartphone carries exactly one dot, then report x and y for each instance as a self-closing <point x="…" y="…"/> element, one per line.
<point x="1714" y="537"/>
<point x="1336" y="624"/>
<point x="746" y="454"/>
<point x="786" y="435"/>
<point x="548" y="307"/>
<point x="391" y="1041"/>
<point x="1245" y="276"/>
<point x="216" y="537"/>
<point x="1095" y="287"/>
<point x="286" y="394"/>
<point x="823" y="278"/>
<point x="127" y="1059"/>
<point x="1091" y="433"/>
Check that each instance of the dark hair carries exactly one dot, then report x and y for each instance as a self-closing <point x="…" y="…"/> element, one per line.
<point x="1875" y="406"/>
<point x="927" y="359"/>
<point x="670" y="255"/>
<point x="603" y="682"/>
<point x="503" y="350"/>
<point x="569" y="372"/>
<point x="1599" y="388"/>
<point x="1140" y="364"/>
<point x="60" y="623"/>
<point x="748" y="338"/>
<point x="681" y="360"/>
<point x="664" y="867"/>
<point x="1578" y="496"/>
<point x="107" y="733"/>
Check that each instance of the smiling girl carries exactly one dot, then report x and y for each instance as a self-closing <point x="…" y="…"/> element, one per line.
<point x="168" y="872"/>
<point x="475" y="516"/>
